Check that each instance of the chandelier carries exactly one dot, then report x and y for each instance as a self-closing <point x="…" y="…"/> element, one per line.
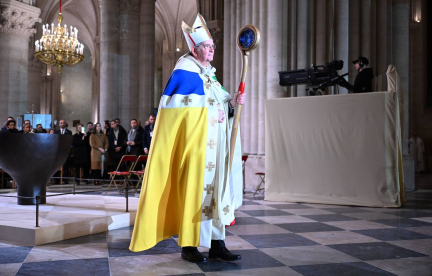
<point x="58" y="46"/>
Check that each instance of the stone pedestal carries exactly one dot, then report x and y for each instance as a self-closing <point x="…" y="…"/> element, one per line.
<point x="409" y="173"/>
<point x="16" y="25"/>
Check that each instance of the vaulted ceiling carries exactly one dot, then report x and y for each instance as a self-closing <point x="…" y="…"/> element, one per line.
<point x="85" y="16"/>
<point x="169" y="15"/>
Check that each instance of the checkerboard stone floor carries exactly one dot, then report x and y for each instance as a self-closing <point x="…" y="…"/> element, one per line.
<point x="274" y="238"/>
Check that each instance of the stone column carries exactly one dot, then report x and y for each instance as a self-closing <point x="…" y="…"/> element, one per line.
<point x="262" y="80"/>
<point x="16" y="25"/>
<point x="146" y="58"/>
<point x="213" y="13"/>
<point x="109" y="50"/>
<point x="35" y="68"/>
<point x="45" y="103"/>
<point x="96" y="66"/>
<point x="400" y="56"/>
<point x="129" y="52"/>
<point x="50" y="92"/>
<point x="341" y="34"/>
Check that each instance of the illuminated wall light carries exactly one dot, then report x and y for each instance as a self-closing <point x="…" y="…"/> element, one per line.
<point x="178" y="49"/>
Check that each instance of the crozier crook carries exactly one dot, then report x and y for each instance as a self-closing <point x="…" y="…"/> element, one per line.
<point x="248" y="38"/>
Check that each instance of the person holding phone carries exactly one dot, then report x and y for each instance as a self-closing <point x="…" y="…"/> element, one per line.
<point x="80" y="153"/>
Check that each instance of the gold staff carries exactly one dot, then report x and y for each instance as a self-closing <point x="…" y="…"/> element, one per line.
<point x="248" y="38"/>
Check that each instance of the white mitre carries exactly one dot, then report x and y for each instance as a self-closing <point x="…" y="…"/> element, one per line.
<point x="197" y="33"/>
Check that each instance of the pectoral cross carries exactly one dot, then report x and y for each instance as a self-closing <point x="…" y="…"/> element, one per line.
<point x="209" y="188"/>
<point x="207" y="210"/>
<point x="210" y="166"/>
<point x="213" y="121"/>
<point x="226" y="209"/>
<point x="211" y="143"/>
<point x="211" y="101"/>
<point x="186" y="100"/>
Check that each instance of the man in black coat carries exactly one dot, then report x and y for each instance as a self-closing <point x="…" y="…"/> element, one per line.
<point x="148" y="134"/>
<point x="5" y="128"/>
<point x="80" y="153"/>
<point x="133" y="142"/>
<point x="117" y="138"/>
<point x="63" y="131"/>
<point x="363" y="81"/>
<point x="40" y="129"/>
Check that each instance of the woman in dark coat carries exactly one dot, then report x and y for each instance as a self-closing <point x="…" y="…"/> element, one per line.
<point x="99" y="145"/>
<point x="80" y="153"/>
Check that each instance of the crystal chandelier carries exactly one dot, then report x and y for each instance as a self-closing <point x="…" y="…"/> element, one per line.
<point x="58" y="46"/>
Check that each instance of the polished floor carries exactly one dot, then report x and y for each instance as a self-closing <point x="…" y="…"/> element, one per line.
<point x="274" y="238"/>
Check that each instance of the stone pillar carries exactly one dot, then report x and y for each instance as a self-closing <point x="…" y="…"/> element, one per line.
<point x="129" y="52"/>
<point x="146" y="58"/>
<point x="303" y="43"/>
<point x="45" y="103"/>
<point x="169" y="59"/>
<point x="34" y="82"/>
<point x="16" y="25"/>
<point x="213" y="13"/>
<point x="400" y="57"/>
<point x="109" y="51"/>
<point x="96" y="66"/>
<point x="341" y="34"/>
<point x="262" y="80"/>
<point x="50" y="92"/>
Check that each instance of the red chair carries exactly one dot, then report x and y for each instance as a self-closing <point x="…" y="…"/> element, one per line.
<point x="125" y="174"/>
<point x="139" y="173"/>
<point x="262" y="177"/>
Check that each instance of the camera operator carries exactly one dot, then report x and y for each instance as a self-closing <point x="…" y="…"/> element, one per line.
<point x="363" y="81"/>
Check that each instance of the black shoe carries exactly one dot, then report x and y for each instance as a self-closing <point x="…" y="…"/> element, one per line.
<point x="191" y="254"/>
<point x="224" y="254"/>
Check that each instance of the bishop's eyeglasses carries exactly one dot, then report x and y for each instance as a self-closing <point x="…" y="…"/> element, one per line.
<point x="208" y="46"/>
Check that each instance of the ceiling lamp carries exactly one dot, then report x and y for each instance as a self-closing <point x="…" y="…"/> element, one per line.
<point x="58" y="46"/>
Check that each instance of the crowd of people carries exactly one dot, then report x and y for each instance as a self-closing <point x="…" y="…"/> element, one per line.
<point x="98" y="149"/>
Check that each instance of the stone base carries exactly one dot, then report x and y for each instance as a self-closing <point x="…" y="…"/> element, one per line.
<point x="409" y="173"/>
<point x="64" y="217"/>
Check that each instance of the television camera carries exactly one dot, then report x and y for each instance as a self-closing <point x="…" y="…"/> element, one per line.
<point x="317" y="78"/>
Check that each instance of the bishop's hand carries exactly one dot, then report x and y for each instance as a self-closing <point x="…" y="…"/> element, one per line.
<point x="238" y="99"/>
<point x="221" y="117"/>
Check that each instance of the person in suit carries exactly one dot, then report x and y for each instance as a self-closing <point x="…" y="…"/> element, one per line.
<point x="133" y="142"/>
<point x="117" y="137"/>
<point x="148" y="133"/>
<point x="86" y="168"/>
<point x="118" y="124"/>
<point x="10" y="126"/>
<point x="26" y="129"/>
<point x="99" y="146"/>
<point x="63" y="131"/>
<point x="80" y="153"/>
<point x="5" y="128"/>
<point x="40" y="129"/>
<point x="106" y="127"/>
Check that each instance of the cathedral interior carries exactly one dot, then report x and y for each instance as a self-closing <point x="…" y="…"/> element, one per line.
<point x="129" y="50"/>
